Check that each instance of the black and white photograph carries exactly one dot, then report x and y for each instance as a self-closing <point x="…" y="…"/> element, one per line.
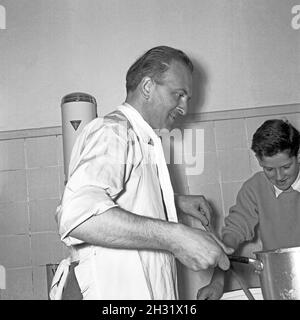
<point x="149" y="151"/>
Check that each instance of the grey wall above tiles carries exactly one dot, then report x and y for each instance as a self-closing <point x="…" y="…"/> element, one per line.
<point x="31" y="184"/>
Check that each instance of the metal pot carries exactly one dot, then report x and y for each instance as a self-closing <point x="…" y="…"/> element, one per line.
<point x="279" y="272"/>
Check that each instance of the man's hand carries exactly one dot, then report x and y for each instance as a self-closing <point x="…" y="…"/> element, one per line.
<point x="204" y="248"/>
<point x="196" y="206"/>
<point x="198" y="250"/>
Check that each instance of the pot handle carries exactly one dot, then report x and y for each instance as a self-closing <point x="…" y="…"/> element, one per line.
<point x="258" y="265"/>
<point x="242" y="283"/>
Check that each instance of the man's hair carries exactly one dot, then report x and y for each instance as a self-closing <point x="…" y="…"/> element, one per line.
<point x="154" y="63"/>
<point x="275" y="136"/>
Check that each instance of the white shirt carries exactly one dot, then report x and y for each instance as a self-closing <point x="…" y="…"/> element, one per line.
<point x="113" y="166"/>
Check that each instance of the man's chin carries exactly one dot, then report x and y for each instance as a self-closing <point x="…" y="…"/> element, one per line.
<point x="168" y="126"/>
<point x="172" y="125"/>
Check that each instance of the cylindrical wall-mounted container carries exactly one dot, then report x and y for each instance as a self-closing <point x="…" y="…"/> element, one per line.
<point x="77" y="109"/>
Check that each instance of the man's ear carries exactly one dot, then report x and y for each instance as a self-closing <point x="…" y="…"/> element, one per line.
<point x="298" y="157"/>
<point x="146" y="87"/>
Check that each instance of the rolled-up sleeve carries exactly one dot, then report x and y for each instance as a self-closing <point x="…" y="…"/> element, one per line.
<point x="98" y="169"/>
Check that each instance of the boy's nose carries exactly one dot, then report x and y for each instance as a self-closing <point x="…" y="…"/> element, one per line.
<point x="279" y="174"/>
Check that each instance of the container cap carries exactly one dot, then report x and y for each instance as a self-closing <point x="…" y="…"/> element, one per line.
<point x="78" y="96"/>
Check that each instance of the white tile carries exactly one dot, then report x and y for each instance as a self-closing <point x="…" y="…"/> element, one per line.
<point x="60" y="152"/>
<point x="234" y="165"/>
<point x="15" y="251"/>
<point x="46" y="248"/>
<point x="229" y="192"/>
<point x="12" y="154"/>
<point x="204" y="169"/>
<point x="62" y="180"/>
<point x="230" y="134"/>
<point x="43" y="183"/>
<point x="13" y="218"/>
<point x="13" y="186"/>
<point x="19" y="284"/>
<point x="40" y="287"/>
<point x="41" y="152"/>
<point x="42" y="215"/>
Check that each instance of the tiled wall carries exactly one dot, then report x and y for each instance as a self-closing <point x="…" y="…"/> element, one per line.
<point x="31" y="184"/>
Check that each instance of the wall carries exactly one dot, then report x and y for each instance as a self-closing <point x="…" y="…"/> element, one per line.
<point x="247" y="50"/>
<point x="31" y="184"/>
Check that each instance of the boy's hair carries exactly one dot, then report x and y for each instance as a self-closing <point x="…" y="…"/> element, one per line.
<point x="275" y="136"/>
<point x="154" y="63"/>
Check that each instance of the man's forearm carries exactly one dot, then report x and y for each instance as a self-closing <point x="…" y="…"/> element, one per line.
<point x="120" y="229"/>
<point x="117" y="228"/>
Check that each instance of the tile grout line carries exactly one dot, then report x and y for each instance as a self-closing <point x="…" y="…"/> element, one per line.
<point x="28" y="214"/>
<point x="219" y="179"/>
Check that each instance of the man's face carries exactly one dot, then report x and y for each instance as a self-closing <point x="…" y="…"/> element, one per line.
<point x="171" y="96"/>
<point x="281" y="169"/>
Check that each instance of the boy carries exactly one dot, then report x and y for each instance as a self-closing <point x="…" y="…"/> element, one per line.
<point x="269" y="199"/>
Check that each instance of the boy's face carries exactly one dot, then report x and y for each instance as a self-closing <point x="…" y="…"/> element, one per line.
<point x="281" y="169"/>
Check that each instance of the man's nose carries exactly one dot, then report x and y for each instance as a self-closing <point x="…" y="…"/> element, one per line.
<point x="182" y="108"/>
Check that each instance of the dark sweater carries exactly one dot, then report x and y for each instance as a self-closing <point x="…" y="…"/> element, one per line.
<point x="278" y="219"/>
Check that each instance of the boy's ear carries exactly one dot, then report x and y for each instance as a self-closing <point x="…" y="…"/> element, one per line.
<point x="298" y="157"/>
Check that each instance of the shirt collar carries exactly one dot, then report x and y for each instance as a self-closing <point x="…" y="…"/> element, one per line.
<point x="295" y="186"/>
<point x="147" y="132"/>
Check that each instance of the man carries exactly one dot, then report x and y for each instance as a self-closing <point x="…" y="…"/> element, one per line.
<point x="269" y="200"/>
<point x="118" y="212"/>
